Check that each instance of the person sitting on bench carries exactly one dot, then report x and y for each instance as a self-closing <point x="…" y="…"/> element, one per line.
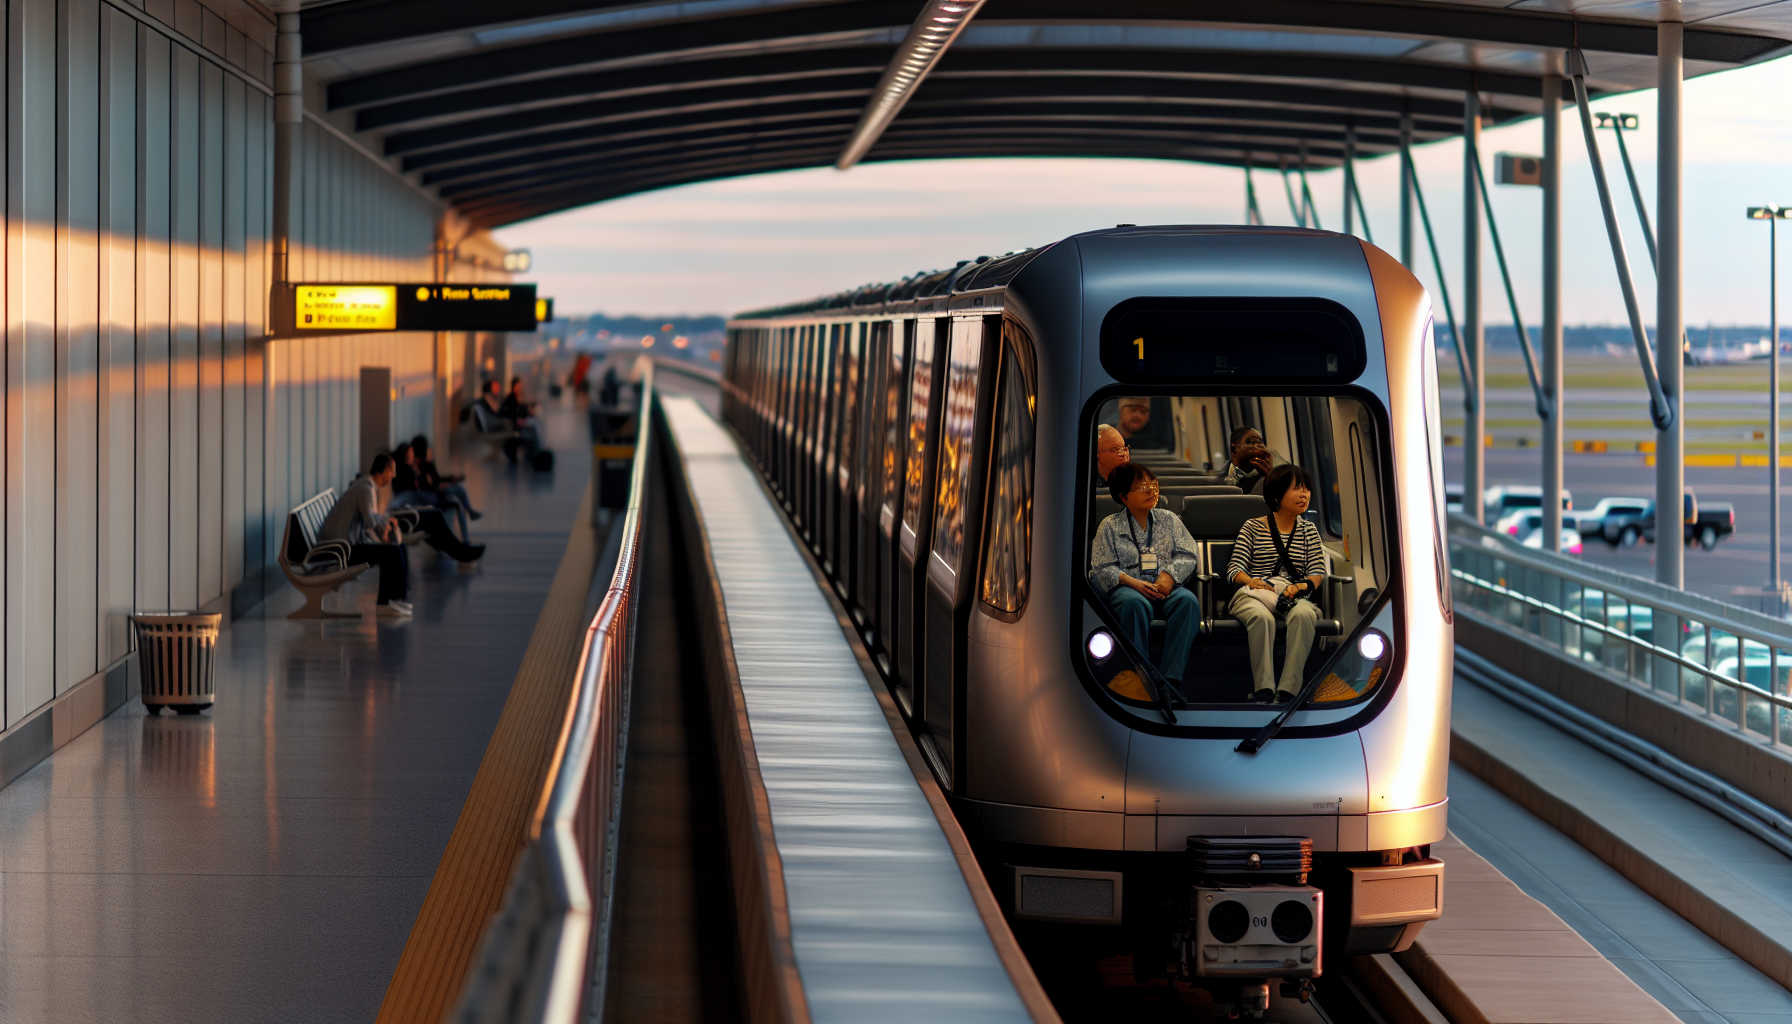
<point x="1278" y="563"/>
<point x="374" y="538"/>
<point x="521" y="413"/>
<point x="1139" y="561"/>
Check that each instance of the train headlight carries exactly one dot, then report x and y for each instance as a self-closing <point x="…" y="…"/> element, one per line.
<point x="1373" y="646"/>
<point x="1101" y="645"/>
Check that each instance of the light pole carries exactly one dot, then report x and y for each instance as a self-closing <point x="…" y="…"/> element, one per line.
<point x="1773" y="215"/>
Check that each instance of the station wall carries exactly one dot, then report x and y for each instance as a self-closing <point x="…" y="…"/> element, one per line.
<point x="154" y="438"/>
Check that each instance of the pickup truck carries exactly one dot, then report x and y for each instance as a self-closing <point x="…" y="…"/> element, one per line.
<point x="1617" y="521"/>
<point x="1714" y="520"/>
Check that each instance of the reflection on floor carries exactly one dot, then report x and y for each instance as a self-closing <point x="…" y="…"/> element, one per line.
<point x="264" y="861"/>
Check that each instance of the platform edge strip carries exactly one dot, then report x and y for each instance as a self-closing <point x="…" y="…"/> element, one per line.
<point x="493" y="827"/>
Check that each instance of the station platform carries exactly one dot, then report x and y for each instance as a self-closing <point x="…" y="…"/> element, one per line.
<point x="264" y="861"/>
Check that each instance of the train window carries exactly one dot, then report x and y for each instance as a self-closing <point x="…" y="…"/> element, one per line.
<point x="849" y="402"/>
<point x="957" y="436"/>
<point x="1239" y="340"/>
<point x="1209" y="521"/>
<point x="1009" y="536"/>
<point x="920" y="389"/>
<point x="894" y="472"/>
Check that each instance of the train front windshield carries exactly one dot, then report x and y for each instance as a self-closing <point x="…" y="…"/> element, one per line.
<point x="1227" y="604"/>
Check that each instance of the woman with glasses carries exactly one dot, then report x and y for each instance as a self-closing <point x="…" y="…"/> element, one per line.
<point x="1141" y="557"/>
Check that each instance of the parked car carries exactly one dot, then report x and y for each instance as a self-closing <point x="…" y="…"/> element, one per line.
<point x="1527" y="529"/>
<point x="1496" y="502"/>
<point x="1613" y="520"/>
<point x="1705" y="523"/>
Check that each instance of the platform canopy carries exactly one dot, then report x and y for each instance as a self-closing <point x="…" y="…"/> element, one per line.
<point x="520" y="108"/>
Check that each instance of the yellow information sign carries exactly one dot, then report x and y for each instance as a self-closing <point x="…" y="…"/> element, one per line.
<point x="346" y="307"/>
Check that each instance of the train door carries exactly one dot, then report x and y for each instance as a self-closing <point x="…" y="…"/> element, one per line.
<point x="894" y="472"/>
<point x="868" y="573"/>
<point x="843" y="515"/>
<point x="787" y="364"/>
<point x="951" y="563"/>
<point x="914" y="530"/>
<point x="805" y="434"/>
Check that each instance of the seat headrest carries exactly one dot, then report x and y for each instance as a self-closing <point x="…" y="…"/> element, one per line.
<point x="1210" y="489"/>
<point x="1220" y="516"/>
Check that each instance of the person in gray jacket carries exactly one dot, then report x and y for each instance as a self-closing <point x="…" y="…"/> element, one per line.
<point x="1140" y="559"/>
<point x="374" y="538"/>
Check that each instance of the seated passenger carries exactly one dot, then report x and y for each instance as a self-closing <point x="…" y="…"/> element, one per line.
<point x="373" y="539"/>
<point x="1278" y="563"/>
<point x="1140" y="559"/>
<point x="1134" y="418"/>
<point x="1111" y="452"/>
<point x="1248" y="461"/>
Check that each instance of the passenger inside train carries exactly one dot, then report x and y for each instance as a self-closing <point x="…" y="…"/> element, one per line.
<point x="1325" y="454"/>
<point x="1141" y="558"/>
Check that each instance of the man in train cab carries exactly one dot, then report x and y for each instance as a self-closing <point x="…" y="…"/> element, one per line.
<point x="1141" y="557"/>
<point x="1111" y="452"/>
<point x="1279" y="564"/>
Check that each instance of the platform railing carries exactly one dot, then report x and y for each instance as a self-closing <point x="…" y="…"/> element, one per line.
<point x="543" y="959"/>
<point x="1727" y="663"/>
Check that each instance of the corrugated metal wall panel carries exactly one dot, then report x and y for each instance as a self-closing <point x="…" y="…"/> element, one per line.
<point x="154" y="437"/>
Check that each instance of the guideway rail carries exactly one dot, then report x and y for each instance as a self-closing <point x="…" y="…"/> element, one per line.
<point x="544" y="955"/>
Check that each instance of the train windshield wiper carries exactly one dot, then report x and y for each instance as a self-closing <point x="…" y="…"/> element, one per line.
<point x="1268" y="732"/>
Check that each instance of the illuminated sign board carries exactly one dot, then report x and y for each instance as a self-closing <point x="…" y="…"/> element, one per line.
<point x="336" y="308"/>
<point x="345" y="307"/>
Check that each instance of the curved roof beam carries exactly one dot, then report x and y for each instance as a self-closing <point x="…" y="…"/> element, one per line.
<point x="1084" y="139"/>
<point x="514" y="206"/>
<point x="1537" y="29"/>
<point x="546" y="126"/>
<point x="611" y="145"/>
<point x="539" y="98"/>
<point x="939" y="22"/>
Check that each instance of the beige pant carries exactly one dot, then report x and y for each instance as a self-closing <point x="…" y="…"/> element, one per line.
<point x="1260" y="627"/>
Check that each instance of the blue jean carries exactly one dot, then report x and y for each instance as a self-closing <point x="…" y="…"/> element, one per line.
<point x="1181" y="613"/>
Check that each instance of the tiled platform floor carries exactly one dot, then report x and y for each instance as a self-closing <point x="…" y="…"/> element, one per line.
<point x="264" y="862"/>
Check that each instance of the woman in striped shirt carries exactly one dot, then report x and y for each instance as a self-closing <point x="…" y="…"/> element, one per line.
<point x="1278" y="559"/>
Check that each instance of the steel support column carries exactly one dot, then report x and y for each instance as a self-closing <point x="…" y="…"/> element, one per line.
<point x="289" y="121"/>
<point x="1474" y="427"/>
<point x="1670" y="362"/>
<point x="1773" y="406"/>
<point x="1406" y="249"/>
<point x="1552" y="312"/>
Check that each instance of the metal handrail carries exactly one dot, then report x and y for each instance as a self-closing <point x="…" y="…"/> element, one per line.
<point x="1533" y="592"/>
<point x="543" y="959"/>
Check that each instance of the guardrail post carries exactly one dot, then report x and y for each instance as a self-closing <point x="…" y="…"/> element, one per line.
<point x="1670" y="469"/>
<point x="1552" y="312"/>
<point x="1474" y="427"/>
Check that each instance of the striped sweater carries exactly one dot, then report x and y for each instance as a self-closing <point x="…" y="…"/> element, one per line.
<point x="1255" y="552"/>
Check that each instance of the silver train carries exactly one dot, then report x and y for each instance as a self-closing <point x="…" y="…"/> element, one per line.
<point x="934" y="442"/>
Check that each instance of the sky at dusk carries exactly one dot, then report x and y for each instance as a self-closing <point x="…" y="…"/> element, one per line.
<point x="725" y="246"/>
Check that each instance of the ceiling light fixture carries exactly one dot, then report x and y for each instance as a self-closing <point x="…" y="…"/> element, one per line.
<point x="938" y="24"/>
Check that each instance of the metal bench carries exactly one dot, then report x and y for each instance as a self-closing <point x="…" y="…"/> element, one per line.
<point x="315" y="567"/>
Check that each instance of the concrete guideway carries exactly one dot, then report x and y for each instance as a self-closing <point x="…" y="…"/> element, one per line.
<point x="1713" y="874"/>
<point x="879" y="915"/>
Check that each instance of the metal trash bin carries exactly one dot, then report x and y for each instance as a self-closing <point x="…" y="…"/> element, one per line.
<point x="176" y="658"/>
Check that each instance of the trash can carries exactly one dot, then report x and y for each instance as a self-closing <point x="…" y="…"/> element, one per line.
<point x="175" y="657"/>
